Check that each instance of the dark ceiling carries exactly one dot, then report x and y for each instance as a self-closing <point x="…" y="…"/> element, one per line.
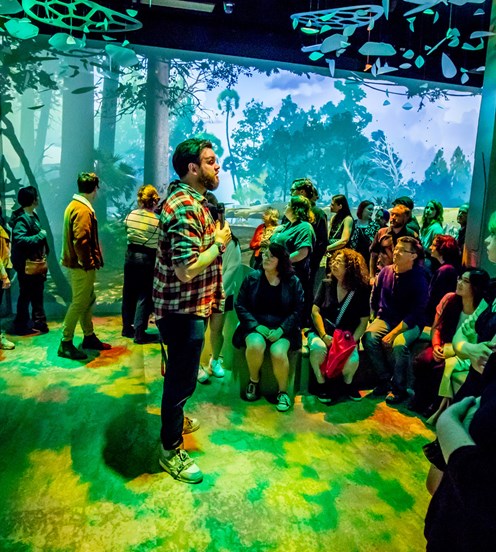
<point x="262" y="29"/>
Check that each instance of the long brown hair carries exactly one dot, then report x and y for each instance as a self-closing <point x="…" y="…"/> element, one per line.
<point x="356" y="274"/>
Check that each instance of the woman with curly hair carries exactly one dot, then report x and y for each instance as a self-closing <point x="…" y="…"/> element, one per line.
<point x="342" y="302"/>
<point x="432" y="223"/>
<point x="298" y="236"/>
<point x="262" y="234"/>
<point x="341" y="225"/>
<point x="364" y="230"/>
<point x="269" y="307"/>
<point x="142" y="238"/>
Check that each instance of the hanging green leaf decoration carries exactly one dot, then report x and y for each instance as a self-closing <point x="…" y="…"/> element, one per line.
<point x="65" y="42"/>
<point x="386" y="102"/>
<point x="325" y="28"/>
<point x="9" y="7"/>
<point x="125" y="57"/>
<point x="36" y="107"/>
<point x="448" y="67"/>
<point x="479" y="12"/>
<point x="332" y="66"/>
<point x="428" y="12"/>
<point x="21" y="29"/>
<point x="295" y="23"/>
<point x="409" y="54"/>
<point x="407" y="106"/>
<point x="481" y="34"/>
<point x="108" y="38"/>
<point x="377" y="49"/>
<point x="436" y="18"/>
<point x="314" y="56"/>
<point x="469" y="47"/>
<point x="419" y="62"/>
<point x="405" y="66"/>
<point x="327" y="16"/>
<point x="132" y="13"/>
<point x="83" y="90"/>
<point x="454" y="43"/>
<point x="411" y="21"/>
<point x="385" y="7"/>
<point x="371" y="24"/>
<point x="427" y="48"/>
<point x="85" y="29"/>
<point x="125" y="43"/>
<point x="349" y="30"/>
<point x="309" y="30"/>
<point x="464" y="78"/>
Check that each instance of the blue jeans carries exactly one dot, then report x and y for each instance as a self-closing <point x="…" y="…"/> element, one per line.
<point x="393" y="364"/>
<point x="184" y="335"/>
<point x="137" y="290"/>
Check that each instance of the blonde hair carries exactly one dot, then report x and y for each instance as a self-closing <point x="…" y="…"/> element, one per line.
<point x="272" y="214"/>
<point x="148" y="196"/>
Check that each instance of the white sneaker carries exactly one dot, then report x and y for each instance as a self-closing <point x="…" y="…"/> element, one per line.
<point x="178" y="463"/>
<point x="203" y="375"/>
<point x="5" y="344"/>
<point x="217" y="368"/>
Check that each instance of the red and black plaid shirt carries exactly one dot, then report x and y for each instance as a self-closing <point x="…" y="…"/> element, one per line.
<point x="186" y="229"/>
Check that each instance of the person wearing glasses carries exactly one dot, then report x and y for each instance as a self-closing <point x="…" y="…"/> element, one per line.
<point x="399" y="300"/>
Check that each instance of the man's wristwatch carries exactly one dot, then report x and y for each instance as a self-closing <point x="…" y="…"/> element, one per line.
<point x="221" y="247"/>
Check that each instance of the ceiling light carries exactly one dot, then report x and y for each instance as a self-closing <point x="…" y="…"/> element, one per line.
<point x="182" y="5"/>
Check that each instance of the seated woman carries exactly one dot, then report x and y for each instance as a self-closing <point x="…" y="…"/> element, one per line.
<point x="261" y="236"/>
<point x="298" y="236"/>
<point x="142" y="238"/>
<point x="444" y="250"/>
<point x="436" y="364"/>
<point x="342" y="302"/>
<point x="269" y="307"/>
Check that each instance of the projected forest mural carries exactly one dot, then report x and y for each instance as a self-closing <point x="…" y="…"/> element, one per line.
<point x="123" y="114"/>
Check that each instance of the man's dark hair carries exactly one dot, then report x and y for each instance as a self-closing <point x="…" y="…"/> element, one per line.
<point x="87" y="182"/>
<point x="404" y="200"/>
<point x="414" y="245"/>
<point x="27" y="196"/>
<point x="188" y="152"/>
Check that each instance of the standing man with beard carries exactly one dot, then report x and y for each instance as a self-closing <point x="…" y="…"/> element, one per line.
<point x="187" y="289"/>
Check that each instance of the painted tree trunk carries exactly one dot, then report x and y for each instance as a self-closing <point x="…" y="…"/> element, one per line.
<point x="56" y="273"/>
<point x="41" y="131"/>
<point x="77" y="136"/>
<point x="26" y="133"/>
<point x="157" y="125"/>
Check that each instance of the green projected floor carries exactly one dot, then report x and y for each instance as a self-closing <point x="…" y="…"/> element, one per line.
<point x="79" y="470"/>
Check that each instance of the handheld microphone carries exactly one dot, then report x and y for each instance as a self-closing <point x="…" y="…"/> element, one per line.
<point x="221" y="213"/>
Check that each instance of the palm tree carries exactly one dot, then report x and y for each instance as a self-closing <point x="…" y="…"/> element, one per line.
<point x="228" y="102"/>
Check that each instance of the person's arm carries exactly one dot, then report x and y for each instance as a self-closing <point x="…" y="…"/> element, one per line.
<point x="360" y="330"/>
<point x="452" y="431"/>
<point x="318" y="323"/>
<point x="300" y="254"/>
<point x="295" y="291"/>
<point x="256" y="240"/>
<point x="186" y="273"/>
<point x="243" y="307"/>
<point x="345" y="235"/>
<point x="81" y="221"/>
<point x="21" y="236"/>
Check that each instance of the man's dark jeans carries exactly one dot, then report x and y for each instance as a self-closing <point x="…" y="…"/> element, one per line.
<point x="184" y="335"/>
<point x="30" y="293"/>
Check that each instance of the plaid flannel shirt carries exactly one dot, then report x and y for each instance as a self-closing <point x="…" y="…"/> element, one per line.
<point x="186" y="229"/>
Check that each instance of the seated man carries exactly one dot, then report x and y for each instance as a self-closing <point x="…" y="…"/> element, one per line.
<point x="399" y="300"/>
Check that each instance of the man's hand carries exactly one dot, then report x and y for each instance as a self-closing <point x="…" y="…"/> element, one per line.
<point x="223" y="235"/>
<point x="274" y="335"/>
<point x="388" y="340"/>
<point x="5" y="283"/>
<point x="479" y="353"/>
<point x="438" y="353"/>
<point x="263" y="330"/>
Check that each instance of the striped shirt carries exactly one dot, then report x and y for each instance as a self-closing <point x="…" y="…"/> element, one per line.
<point x="142" y="228"/>
<point x="186" y="229"/>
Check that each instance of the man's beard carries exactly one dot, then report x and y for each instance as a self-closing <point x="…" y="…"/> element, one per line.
<point x="211" y="183"/>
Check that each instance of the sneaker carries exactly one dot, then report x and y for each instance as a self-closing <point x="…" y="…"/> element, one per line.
<point x="17" y="330"/>
<point x="396" y="397"/>
<point x="283" y="401"/>
<point x="92" y="342"/>
<point x="142" y="338"/>
<point x="382" y="389"/>
<point x="217" y="368"/>
<point x="42" y="328"/>
<point x="67" y="350"/>
<point x="252" y="392"/>
<point x="128" y="332"/>
<point x="177" y="463"/>
<point x="203" y="375"/>
<point x="352" y="392"/>
<point x="324" y="398"/>
<point x="190" y="425"/>
<point x="5" y="344"/>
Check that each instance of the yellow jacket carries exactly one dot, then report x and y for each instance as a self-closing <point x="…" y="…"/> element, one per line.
<point x="4" y="253"/>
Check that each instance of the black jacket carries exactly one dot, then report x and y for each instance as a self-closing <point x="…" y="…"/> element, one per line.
<point x="28" y="240"/>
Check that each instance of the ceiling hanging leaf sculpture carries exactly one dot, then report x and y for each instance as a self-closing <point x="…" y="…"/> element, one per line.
<point x="22" y="29"/>
<point x="79" y="15"/>
<point x="349" y="25"/>
<point x="9" y="7"/>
